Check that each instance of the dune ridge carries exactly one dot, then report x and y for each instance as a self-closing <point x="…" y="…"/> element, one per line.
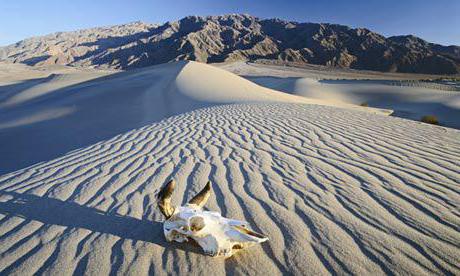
<point x="404" y="94"/>
<point x="336" y="190"/>
<point x="44" y="118"/>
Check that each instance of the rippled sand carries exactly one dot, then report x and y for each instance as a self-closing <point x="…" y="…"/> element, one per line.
<point x="337" y="190"/>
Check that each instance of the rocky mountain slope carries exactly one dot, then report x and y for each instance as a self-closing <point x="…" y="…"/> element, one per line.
<point x="236" y="37"/>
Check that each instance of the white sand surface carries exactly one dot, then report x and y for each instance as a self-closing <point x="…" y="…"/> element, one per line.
<point x="336" y="189"/>
<point x="371" y="88"/>
<point x="243" y="68"/>
<point x="407" y="102"/>
<point x="45" y="117"/>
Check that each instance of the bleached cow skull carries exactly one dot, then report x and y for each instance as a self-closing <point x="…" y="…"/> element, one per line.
<point x="218" y="236"/>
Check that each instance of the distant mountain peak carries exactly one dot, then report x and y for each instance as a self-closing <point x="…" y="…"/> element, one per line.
<point x="230" y="37"/>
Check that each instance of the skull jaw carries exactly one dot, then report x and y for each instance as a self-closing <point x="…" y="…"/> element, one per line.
<point x="213" y="247"/>
<point x="208" y="243"/>
<point x="228" y="249"/>
<point x="173" y="235"/>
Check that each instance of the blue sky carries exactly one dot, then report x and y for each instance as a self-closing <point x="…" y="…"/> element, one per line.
<point x="433" y="20"/>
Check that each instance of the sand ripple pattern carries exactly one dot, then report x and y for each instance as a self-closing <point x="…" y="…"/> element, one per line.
<point x="337" y="192"/>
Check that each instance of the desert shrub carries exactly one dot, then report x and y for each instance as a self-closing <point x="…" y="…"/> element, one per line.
<point x="364" y="104"/>
<point x="430" y="119"/>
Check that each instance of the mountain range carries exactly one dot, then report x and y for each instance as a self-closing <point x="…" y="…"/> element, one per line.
<point x="232" y="38"/>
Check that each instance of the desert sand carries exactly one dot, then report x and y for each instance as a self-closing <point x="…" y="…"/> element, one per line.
<point x="410" y="100"/>
<point x="338" y="188"/>
<point x="45" y="116"/>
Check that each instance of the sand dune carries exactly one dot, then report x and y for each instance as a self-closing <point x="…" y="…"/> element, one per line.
<point x="407" y="102"/>
<point x="336" y="190"/>
<point x="375" y="91"/>
<point x="46" y="116"/>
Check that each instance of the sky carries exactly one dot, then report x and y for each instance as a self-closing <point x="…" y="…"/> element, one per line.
<point x="436" y="21"/>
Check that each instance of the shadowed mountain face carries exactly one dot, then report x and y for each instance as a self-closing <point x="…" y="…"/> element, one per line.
<point x="236" y="37"/>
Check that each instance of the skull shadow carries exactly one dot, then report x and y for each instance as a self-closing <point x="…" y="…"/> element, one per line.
<point x="51" y="211"/>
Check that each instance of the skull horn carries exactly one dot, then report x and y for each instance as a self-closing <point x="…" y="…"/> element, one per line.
<point x="202" y="197"/>
<point x="164" y="199"/>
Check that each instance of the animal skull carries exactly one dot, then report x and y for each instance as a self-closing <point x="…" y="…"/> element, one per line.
<point x="218" y="236"/>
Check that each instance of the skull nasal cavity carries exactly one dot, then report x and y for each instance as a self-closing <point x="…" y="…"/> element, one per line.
<point x="196" y="223"/>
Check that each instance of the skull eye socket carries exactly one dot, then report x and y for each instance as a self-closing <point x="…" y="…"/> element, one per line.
<point x="237" y="246"/>
<point x="197" y="223"/>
